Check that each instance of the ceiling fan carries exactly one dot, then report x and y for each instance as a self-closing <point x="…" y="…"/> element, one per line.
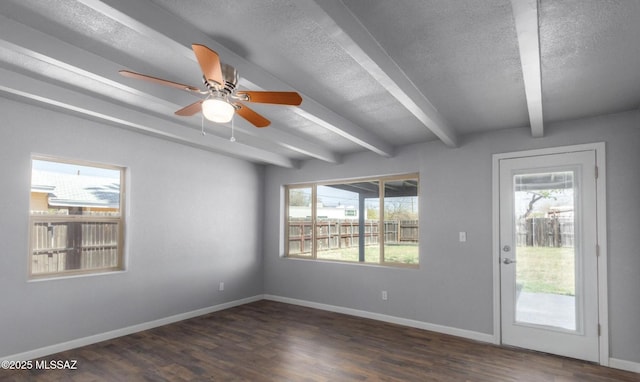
<point x="223" y="100"/>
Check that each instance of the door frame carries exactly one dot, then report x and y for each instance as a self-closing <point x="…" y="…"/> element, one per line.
<point x="601" y="226"/>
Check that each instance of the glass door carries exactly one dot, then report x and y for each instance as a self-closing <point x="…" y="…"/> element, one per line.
<point x="548" y="259"/>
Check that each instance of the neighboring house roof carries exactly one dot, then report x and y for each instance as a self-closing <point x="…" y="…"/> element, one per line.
<point x="69" y="190"/>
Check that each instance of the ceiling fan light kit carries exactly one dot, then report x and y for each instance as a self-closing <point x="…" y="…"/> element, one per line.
<point x="217" y="110"/>
<point x="223" y="101"/>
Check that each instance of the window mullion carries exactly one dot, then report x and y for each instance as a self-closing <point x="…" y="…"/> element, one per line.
<point x="381" y="222"/>
<point x="314" y="222"/>
<point x="288" y="221"/>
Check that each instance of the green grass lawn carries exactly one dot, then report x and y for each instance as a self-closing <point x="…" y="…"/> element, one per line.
<point x="405" y="254"/>
<point x="546" y="270"/>
<point x="539" y="269"/>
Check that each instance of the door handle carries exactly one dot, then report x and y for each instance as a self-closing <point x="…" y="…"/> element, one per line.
<point x="508" y="261"/>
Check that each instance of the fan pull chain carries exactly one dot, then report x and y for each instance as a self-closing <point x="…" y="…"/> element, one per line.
<point x="202" y="124"/>
<point x="233" y="138"/>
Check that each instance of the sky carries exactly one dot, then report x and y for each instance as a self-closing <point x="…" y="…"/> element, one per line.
<point x="66" y="168"/>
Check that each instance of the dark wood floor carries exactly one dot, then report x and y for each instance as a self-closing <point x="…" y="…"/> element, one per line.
<point x="270" y="341"/>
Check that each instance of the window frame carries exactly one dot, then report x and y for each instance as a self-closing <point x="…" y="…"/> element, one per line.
<point x="119" y="220"/>
<point x="314" y="218"/>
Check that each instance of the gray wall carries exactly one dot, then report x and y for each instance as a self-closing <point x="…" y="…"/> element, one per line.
<point x="193" y="220"/>
<point x="453" y="286"/>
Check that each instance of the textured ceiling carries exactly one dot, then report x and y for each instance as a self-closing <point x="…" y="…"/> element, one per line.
<point x="374" y="75"/>
<point x="590" y="57"/>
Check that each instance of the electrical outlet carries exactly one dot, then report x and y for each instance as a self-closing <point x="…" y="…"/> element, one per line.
<point x="384" y="295"/>
<point x="221" y="287"/>
<point x="463" y="237"/>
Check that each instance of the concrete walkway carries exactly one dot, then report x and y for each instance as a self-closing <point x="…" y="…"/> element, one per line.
<point x="547" y="309"/>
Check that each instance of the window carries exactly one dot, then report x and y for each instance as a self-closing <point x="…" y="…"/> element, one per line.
<point x="76" y="218"/>
<point x="372" y="220"/>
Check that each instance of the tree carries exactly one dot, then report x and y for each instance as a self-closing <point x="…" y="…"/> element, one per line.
<point x="400" y="208"/>
<point x="535" y="197"/>
<point x="299" y="198"/>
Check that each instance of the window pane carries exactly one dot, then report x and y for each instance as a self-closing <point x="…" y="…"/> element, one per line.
<point x="544" y="206"/>
<point x="299" y="222"/>
<point x="71" y="189"/>
<point x="341" y="222"/>
<point x="401" y="221"/>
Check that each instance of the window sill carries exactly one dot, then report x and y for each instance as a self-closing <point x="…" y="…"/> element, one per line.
<point x="74" y="276"/>
<point x="358" y="264"/>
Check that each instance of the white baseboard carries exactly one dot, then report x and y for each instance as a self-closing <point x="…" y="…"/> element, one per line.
<point x="477" y="336"/>
<point x="52" y="349"/>
<point x="624" y="365"/>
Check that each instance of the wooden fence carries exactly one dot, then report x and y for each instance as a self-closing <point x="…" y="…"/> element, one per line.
<point x="338" y="233"/>
<point x="60" y="246"/>
<point x="545" y="232"/>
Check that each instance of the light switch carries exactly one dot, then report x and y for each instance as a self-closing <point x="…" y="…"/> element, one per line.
<point x="463" y="237"/>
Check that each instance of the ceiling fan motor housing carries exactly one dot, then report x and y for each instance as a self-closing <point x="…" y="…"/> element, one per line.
<point x="230" y="76"/>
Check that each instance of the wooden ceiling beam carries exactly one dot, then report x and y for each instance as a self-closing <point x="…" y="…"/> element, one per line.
<point x="525" y="14"/>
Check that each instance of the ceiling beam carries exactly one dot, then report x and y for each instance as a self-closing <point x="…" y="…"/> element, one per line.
<point x="355" y="39"/>
<point x="525" y="14"/>
<point x="27" y="88"/>
<point x="97" y="74"/>
<point x="152" y="21"/>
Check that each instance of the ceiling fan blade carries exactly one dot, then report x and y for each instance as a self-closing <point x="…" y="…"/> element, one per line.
<point x="209" y="63"/>
<point x="278" y="98"/>
<point x="190" y="109"/>
<point x="157" y="80"/>
<point x="256" y="119"/>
